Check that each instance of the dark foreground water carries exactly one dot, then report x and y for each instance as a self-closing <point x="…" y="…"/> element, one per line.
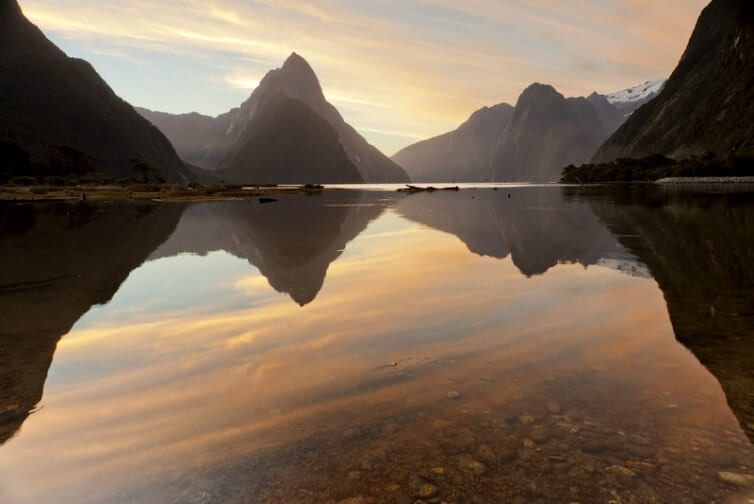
<point x="483" y="346"/>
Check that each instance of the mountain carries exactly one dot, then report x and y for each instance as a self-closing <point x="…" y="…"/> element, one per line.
<point x="463" y="155"/>
<point x="707" y="104"/>
<point x="55" y="106"/>
<point x="292" y="242"/>
<point x="185" y="131"/>
<point x="59" y="260"/>
<point x="610" y="117"/>
<point x="546" y="133"/>
<point x="291" y="144"/>
<point x="529" y="143"/>
<point x="628" y="100"/>
<point x="229" y="142"/>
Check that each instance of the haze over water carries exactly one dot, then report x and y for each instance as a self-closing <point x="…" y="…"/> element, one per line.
<point x="524" y="344"/>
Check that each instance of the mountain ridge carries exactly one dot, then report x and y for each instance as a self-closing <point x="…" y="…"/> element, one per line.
<point x="705" y="107"/>
<point x="49" y="100"/>
<point x="295" y="79"/>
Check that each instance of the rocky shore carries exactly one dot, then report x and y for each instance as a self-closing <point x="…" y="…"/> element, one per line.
<point x="706" y="180"/>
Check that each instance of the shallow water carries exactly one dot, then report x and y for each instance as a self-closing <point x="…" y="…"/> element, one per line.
<point x="524" y="344"/>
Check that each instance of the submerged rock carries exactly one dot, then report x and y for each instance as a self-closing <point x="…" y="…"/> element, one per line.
<point x="426" y="491"/>
<point x="486" y="453"/>
<point x="737" y="479"/>
<point x="472" y="465"/>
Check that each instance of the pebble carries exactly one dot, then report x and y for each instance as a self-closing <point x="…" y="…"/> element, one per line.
<point x="639" y="440"/>
<point x="529" y="444"/>
<point x="356" y="500"/>
<point x="621" y="470"/>
<point x="352" y="434"/>
<point x="472" y="465"/>
<point x="593" y="446"/>
<point x="390" y="428"/>
<point x="540" y="434"/>
<point x="426" y="491"/>
<point x="526" y="419"/>
<point x="738" y="479"/>
<point x="454" y="395"/>
<point x="640" y="451"/>
<point x="486" y="453"/>
<point x="553" y="407"/>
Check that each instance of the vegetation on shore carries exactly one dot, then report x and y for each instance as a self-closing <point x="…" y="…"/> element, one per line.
<point x="653" y="168"/>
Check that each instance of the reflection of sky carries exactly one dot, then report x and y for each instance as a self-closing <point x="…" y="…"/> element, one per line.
<point x="196" y="360"/>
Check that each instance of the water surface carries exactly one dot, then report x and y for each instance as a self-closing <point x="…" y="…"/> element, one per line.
<point x="524" y="344"/>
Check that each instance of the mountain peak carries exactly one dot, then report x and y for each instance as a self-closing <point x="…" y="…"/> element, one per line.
<point x="538" y="94"/>
<point x="296" y="63"/>
<point x="295" y="78"/>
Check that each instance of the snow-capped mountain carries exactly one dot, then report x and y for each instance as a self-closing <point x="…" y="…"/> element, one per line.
<point x="632" y="98"/>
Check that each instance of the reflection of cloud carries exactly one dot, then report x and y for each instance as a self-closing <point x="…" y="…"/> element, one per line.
<point x="187" y="390"/>
<point x="462" y="55"/>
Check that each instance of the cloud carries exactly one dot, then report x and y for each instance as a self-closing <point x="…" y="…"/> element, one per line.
<point x="422" y="66"/>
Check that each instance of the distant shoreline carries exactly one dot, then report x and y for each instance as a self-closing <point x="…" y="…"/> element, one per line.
<point x="705" y="180"/>
<point x="149" y="193"/>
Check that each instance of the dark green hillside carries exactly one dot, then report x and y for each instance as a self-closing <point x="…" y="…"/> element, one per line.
<point x="707" y="105"/>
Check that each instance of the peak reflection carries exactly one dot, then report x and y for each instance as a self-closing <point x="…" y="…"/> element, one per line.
<point x="292" y="241"/>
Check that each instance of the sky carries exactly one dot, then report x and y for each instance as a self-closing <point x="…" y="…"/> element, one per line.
<point x="398" y="70"/>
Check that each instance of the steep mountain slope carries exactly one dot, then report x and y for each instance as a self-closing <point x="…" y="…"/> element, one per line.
<point x="463" y="155"/>
<point x="48" y="100"/>
<point x="226" y="137"/>
<point x="609" y="115"/>
<point x="185" y="131"/>
<point x="628" y="100"/>
<point x="707" y="104"/>
<point x="546" y="133"/>
<point x="289" y="144"/>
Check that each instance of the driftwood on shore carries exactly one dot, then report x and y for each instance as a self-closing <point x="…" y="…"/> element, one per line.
<point x="415" y="189"/>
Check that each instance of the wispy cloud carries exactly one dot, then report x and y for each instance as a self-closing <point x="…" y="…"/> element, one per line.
<point x="418" y="66"/>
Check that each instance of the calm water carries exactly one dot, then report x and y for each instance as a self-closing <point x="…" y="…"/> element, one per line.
<point x="515" y="345"/>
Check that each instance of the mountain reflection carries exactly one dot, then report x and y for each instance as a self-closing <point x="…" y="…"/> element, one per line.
<point x="699" y="248"/>
<point x="58" y="261"/>
<point x="537" y="227"/>
<point x="408" y="316"/>
<point x="292" y="242"/>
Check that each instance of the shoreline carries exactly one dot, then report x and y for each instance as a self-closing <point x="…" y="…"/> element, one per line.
<point x="149" y="193"/>
<point x="704" y="180"/>
<point x="169" y="193"/>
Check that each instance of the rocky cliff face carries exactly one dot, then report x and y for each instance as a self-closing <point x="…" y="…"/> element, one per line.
<point x="707" y="104"/>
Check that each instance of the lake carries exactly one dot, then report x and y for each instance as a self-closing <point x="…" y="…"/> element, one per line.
<point x="509" y="344"/>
